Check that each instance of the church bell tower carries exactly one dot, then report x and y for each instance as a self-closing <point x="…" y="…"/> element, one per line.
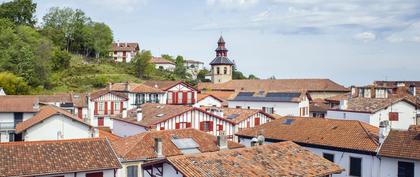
<point x="221" y="66"/>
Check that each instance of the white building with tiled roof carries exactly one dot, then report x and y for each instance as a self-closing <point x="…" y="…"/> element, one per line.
<point x="124" y="52"/>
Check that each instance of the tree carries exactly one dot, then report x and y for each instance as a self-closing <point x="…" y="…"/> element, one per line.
<point x="168" y="57"/>
<point x="142" y="66"/>
<point x="20" y="12"/>
<point x="237" y="75"/>
<point x="253" y="77"/>
<point x="61" y="60"/>
<point x="98" y="39"/>
<point x="201" y="76"/>
<point x="66" y="27"/>
<point x="180" y="69"/>
<point x="12" y="84"/>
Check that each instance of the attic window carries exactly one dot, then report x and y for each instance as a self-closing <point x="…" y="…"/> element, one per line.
<point x="288" y="121"/>
<point x="160" y="115"/>
<point x="233" y="116"/>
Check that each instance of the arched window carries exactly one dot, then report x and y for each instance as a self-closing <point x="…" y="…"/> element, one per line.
<point x="218" y="70"/>
<point x="225" y="70"/>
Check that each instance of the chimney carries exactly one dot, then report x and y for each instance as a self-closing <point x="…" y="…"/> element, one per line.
<point x="222" y="141"/>
<point x="139" y="115"/>
<point x="344" y="104"/>
<point x="127" y="86"/>
<point x="35" y="106"/>
<point x="159" y="147"/>
<point x="260" y="138"/>
<point x="109" y="86"/>
<point x="383" y="131"/>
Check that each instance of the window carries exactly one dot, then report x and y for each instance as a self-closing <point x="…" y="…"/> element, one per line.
<point x="393" y="116"/>
<point x="367" y="93"/>
<point x="100" y="121"/>
<point x="380" y="93"/>
<point x="97" y="174"/>
<point x="405" y="169"/>
<point x="257" y="121"/>
<point x="182" y="125"/>
<point x="189" y="97"/>
<point x="269" y="110"/>
<point x="180" y="97"/>
<point x="101" y="106"/>
<point x="206" y="126"/>
<point x="355" y="166"/>
<point x="238" y="107"/>
<point x="170" y="98"/>
<point x="328" y="156"/>
<point x="132" y="171"/>
<point x="225" y="70"/>
<point x="218" y="70"/>
<point x="117" y="106"/>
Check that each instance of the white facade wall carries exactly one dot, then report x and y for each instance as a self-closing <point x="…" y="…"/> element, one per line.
<point x="180" y="88"/>
<point x="406" y="111"/>
<point x="165" y="66"/>
<point x="168" y="171"/>
<point x="280" y="108"/>
<point x="106" y="173"/>
<point x="208" y="101"/>
<point x="195" y="117"/>
<point x="119" y="56"/>
<point x="8" y="118"/>
<point x="388" y="167"/>
<point x="124" y="129"/>
<point x="93" y="119"/>
<point x="53" y="127"/>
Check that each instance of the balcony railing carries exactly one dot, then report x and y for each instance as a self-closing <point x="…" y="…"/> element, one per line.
<point x="7" y="125"/>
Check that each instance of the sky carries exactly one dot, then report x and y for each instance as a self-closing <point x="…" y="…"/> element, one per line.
<point x="352" y="42"/>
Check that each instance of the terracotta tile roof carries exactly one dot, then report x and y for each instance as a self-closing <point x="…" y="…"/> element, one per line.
<point x="107" y="134"/>
<point x="38" y="158"/>
<point x="338" y="97"/>
<point x="99" y="93"/>
<point x="318" y="107"/>
<point x="279" y="85"/>
<point x="224" y="95"/>
<point x="141" y="146"/>
<point x="62" y="97"/>
<point x="239" y="114"/>
<point x="165" y="85"/>
<point x="44" y="113"/>
<point x="153" y="113"/>
<point x="16" y="103"/>
<point x="371" y="105"/>
<point x="135" y="88"/>
<point x="128" y="47"/>
<point x="79" y="100"/>
<point x="160" y="60"/>
<point x="344" y="134"/>
<point x="278" y="159"/>
<point x="402" y="144"/>
<point x="201" y="96"/>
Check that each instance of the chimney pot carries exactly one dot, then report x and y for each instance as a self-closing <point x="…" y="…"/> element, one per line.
<point x="383" y="131"/>
<point x="158" y="147"/>
<point x="139" y="115"/>
<point x="222" y="140"/>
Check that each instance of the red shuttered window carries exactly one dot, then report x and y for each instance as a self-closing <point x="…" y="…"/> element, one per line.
<point x="393" y="116"/>
<point x="176" y="125"/>
<point x="193" y="98"/>
<point x="257" y="121"/>
<point x="220" y="127"/>
<point x="100" y="121"/>
<point x="188" y="124"/>
<point x="106" y="108"/>
<point x="112" y="108"/>
<point x="248" y="124"/>
<point x="206" y="126"/>
<point x="162" y="128"/>
<point x="96" y="108"/>
<point x="121" y="106"/>
<point x="184" y="97"/>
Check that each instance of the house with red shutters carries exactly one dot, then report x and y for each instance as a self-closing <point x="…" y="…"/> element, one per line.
<point x="124" y="52"/>
<point x="104" y="104"/>
<point x="177" y="92"/>
<point x="169" y="117"/>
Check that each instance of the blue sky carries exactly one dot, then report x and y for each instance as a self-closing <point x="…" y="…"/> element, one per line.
<point x="351" y="41"/>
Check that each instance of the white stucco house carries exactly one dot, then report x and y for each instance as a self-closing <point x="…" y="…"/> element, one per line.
<point x="400" y="153"/>
<point x="105" y="103"/>
<point x="163" y="64"/>
<point x="205" y="100"/>
<point x="399" y="112"/>
<point x="177" y="92"/>
<point x="281" y="103"/>
<point x="349" y="143"/>
<point x="124" y="52"/>
<point x="53" y="123"/>
<point x="13" y="110"/>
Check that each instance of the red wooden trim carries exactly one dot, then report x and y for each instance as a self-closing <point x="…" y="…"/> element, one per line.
<point x="106" y="107"/>
<point x="96" y="108"/>
<point x="184" y="97"/>
<point x="121" y="106"/>
<point x="112" y="107"/>
<point x="257" y="121"/>
<point x="193" y="98"/>
<point x="188" y="124"/>
<point x="177" y="125"/>
<point x="100" y="121"/>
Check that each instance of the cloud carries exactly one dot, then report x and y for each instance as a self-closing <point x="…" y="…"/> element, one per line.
<point x="365" y="36"/>
<point x="409" y="34"/>
<point x="232" y="4"/>
<point x="377" y="17"/>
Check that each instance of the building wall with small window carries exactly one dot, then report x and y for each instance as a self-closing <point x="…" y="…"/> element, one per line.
<point x="208" y="101"/>
<point x="130" y="169"/>
<point x="368" y="166"/>
<point x="180" y="94"/>
<point x="167" y="169"/>
<point x="280" y="108"/>
<point x="137" y="99"/>
<point x="200" y="120"/>
<point x="8" y="121"/>
<point x="394" y="167"/>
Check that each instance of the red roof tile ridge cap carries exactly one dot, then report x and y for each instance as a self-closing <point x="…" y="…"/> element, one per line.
<point x="52" y="141"/>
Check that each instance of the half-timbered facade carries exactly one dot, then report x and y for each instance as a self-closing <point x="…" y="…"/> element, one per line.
<point x="103" y="104"/>
<point x="139" y="94"/>
<point x="177" y="92"/>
